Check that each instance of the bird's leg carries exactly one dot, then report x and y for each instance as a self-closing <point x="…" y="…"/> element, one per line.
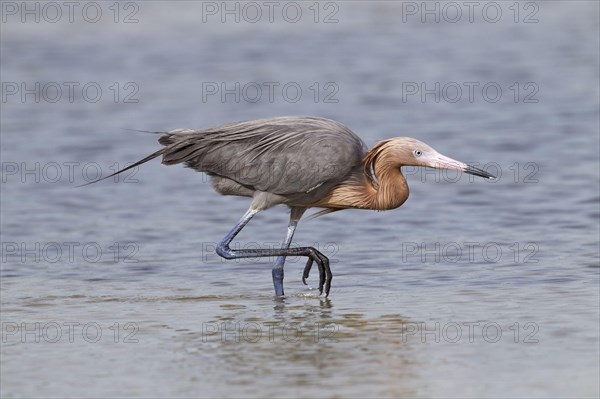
<point x="226" y="252"/>
<point x="295" y="215"/>
<point x="223" y="249"/>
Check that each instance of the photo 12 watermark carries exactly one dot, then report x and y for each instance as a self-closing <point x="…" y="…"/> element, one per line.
<point x="90" y="332"/>
<point x="64" y="172"/>
<point x="517" y="172"/>
<point x="270" y="92"/>
<point x="469" y="252"/>
<point x="68" y="252"/>
<point x="275" y="332"/>
<point x="252" y="12"/>
<point x="470" y="92"/>
<point x="53" y="12"/>
<point x="470" y="332"/>
<point x="452" y="12"/>
<point x="70" y="92"/>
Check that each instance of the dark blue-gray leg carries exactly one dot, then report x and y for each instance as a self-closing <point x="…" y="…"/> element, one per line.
<point x="313" y="255"/>
<point x="223" y="249"/>
<point x="295" y="215"/>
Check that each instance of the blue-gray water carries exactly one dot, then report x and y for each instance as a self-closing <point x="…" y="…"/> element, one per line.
<point x="470" y="289"/>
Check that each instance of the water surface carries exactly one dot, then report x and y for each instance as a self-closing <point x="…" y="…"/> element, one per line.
<point x="470" y="289"/>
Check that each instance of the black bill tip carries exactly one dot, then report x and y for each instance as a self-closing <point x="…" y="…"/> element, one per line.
<point x="478" y="172"/>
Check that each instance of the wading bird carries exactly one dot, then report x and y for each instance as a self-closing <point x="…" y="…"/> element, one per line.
<point x="301" y="162"/>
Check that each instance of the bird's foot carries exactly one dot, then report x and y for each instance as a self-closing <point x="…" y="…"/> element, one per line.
<point x="325" y="274"/>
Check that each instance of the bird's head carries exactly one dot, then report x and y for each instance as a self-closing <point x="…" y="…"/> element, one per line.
<point x="407" y="151"/>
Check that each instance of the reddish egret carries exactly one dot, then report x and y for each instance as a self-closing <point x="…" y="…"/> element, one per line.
<point x="301" y="162"/>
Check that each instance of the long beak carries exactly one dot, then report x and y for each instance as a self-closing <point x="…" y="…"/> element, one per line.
<point x="443" y="162"/>
<point x="472" y="170"/>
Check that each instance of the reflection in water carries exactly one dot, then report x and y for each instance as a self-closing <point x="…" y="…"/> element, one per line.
<point x="306" y="347"/>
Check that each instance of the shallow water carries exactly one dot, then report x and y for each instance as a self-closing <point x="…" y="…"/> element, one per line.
<point x="470" y="289"/>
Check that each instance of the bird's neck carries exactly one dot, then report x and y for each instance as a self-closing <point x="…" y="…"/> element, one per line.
<point x="388" y="189"/>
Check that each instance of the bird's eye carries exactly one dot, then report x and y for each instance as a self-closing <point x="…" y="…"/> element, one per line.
<point x="417" y="153"/>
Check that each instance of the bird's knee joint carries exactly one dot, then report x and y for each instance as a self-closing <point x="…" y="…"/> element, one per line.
<point x="224" y="251"/>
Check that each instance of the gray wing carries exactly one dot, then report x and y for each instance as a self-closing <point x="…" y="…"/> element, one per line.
<point x="284" y="155"/>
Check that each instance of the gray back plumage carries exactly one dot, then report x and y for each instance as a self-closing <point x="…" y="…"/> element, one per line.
<point x="283" y="155"/>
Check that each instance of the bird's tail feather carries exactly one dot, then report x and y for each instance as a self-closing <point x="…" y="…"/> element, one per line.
<point x="138" y="163"/>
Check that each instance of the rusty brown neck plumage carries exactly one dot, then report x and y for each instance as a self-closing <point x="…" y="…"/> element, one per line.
<point x="378" y="185"/>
